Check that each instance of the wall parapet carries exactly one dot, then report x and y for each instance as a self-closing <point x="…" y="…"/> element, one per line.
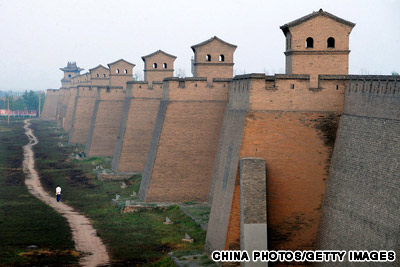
<point x="375" y="96"/>
<point x="195" y="89"/>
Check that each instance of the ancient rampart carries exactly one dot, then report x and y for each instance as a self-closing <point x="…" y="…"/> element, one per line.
<point x="50" y="105"/>
<point x="361" y="207"/>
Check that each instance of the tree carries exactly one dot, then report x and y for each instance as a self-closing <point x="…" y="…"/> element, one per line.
<point x="395" y="73"/>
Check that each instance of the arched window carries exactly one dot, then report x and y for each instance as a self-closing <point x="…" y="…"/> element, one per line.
<point x="104" y="75"/>
<point x="309" y="42"/>
<point x="208" y="57"/>
<point x="164" y="65"/>
<point x="117" y="71"/>
<point x="125" y="71"/>
<point x="154" y="65"/>
<point x="331" y="42"/>
<point x="221" y="58"/>
<point x="69" y="75"/>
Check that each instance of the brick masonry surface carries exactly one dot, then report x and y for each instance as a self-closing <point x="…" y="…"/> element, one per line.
<point x="50" y="105"/>
<point x="361" y="207"/>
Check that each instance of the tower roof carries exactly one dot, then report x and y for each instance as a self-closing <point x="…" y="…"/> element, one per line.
<point x="71" y="66"/>
<point x="155" y="53"/>
<point x="115" y="62"/>
<point x="314" y="14"/>
<point x="99" y="66"/>
<point x="209" y="41"/>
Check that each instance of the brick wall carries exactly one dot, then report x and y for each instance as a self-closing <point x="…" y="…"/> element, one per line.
<point x="361" y="206"/>
<point x="295" y="139"/>
<point x="50" y="105"/>
<point x="105" y="122"/>
<point x="225" y="206"/>
<point x="70" y="105"/>
<point x="185" y="153"/>
<point x="135" y="132"/>
<point x="83" y="112"/>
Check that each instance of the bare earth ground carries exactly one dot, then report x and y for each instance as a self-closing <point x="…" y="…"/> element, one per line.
<point x="84" y="235"/>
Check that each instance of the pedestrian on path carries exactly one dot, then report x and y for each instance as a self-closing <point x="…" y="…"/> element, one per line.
<point x="58" y="193"/>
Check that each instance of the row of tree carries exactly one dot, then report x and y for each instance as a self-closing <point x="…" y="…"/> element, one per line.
<point x="28" y="101"/>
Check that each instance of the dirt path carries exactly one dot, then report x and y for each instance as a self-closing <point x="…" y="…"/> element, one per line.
<point x="84" y="235"/>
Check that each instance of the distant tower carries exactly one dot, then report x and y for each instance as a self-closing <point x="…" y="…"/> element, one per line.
<point x="157" y="66"/>
<point x="213" y="59"/>
<point x="71" y="70"/>
<point x="317" y="44"/>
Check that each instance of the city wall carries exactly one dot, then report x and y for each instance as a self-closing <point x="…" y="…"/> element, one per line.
<point x="137" y="124"/>
<point x="50" y="105"/>
<point x="69" y="111"/>
<point x="290" y="125"/>
<point x="82" y="114"/>
<point x="361" y="210"/>
<point x="184" y="141"/>
<point x="105" y="122"/>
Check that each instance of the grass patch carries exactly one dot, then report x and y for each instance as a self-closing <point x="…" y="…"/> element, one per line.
<point x="133" y="239"/>
<point x="25" y="220"/>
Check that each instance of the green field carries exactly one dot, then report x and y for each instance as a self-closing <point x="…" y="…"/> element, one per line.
<point x="24" y="220"/>
<point x="132" y="239"/>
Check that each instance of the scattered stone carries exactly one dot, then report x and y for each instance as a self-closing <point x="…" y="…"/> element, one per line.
<point x="117" y="197"/>
<point x="187" y="238"/>
<point x="93" y="163"/>
<point x="104" y="172"/>
<point x="128" y="202"/>
<point x="134" y="194"/>
<point x="123" y="185"/>
<point x="32" y="247"/>
<point x="101" y="167"/>
<point x="77" y="156"/>
<point x="167" y="221"/>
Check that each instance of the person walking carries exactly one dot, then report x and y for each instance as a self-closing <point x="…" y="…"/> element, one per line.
<point x="58" y="193"/>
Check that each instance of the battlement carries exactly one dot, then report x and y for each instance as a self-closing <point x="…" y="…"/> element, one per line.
<point x="143" y="89"/>
<point x="287" y="92"/>
<point x="110" y="93"/>
<point x="375" y="96"/>
<point x="86" y="91"/>
<point x="384" y="84"/>
<point x="195" y="89"/>
<point x="52" y="92"/>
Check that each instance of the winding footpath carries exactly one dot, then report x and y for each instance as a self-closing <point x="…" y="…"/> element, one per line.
<point x="84" y="235"/>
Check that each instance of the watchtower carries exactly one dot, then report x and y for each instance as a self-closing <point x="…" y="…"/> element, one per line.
<point x="317" y="44"/>
<point x="213" y="58"/>
<point x="120" y="72"/>
<point x="99" y="76"/>
<point x="157" y="66"/>
<point x="70" y="71"/>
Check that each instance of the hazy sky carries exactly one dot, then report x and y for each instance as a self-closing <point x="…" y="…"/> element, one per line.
<point x="39" y="37"/>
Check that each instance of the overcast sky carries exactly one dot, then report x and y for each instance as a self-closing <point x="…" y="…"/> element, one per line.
<point x="39" y="37"/>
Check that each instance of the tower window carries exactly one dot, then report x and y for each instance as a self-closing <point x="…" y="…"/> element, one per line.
<point x="125" y="71"/>
<point x="337" y="87"/>
<point x="104" y="75"/>
<point x="291" y="86"/>
<point x="117" y="71"/>
<point x="309" y="42"/>
<point x="164" y="65"/>
<point x="97" y="75"/>
<point x="331" y="42"/>
<point x="208" y="57"/>
<point x="69" y="75"/>
<point x="221" y="58"/>
<point x="154" y="65"/>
